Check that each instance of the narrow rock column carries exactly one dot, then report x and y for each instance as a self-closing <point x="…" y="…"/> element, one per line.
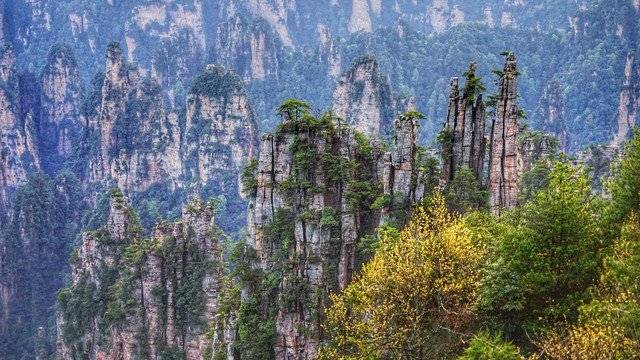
<point x="464" y="134"/>
<point x="449" y="128"/>
<point x="503" y="168"/>
<point x="403" y="158"/>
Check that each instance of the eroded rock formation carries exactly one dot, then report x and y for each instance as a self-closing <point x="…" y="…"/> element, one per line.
<point x="135" y="143"/>
<point x="463" y="138"/>
<point x="513" y="149"/>
<point x="134" y="137"/>
<point x="503" y="161"/>
<point x="532" y="146"/>
<point x="18" y="131"/>
<point x="629" y="105"/>
<point x="61" y="123"/>
<point x="320" y="186"/>
<point x="136" y="297"/>
<point x="363" y="98"/>
<point x="249" y="47"/>
<point x="551" y="114"/>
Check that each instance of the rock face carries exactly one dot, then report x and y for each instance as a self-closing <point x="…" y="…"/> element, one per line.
<point x="463" y="138"/>
<point x="551" y="114"/>
<point x="532" y="146"/>
<point x="629" y="106"/>
<point x="503" y="161"/>
<point x="138" y="145"/>
<point x="512" y="148"/>
<point x="134" y="135"/>
<point x="18" y="131"/>
<point x="363" y="98"/>
<point x="220" y="130"/>
<point x="319" y="187"/>
<point x="249" y="47"/>
<point x="61" y="122"/>
<point x="598" y="160"/>
<point x="132" y="297"/>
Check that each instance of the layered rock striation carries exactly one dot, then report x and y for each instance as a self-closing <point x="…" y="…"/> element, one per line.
<point x="62" y="122"/>
<point x="512" y="148"/>
<point x="503" y="161"/>
<point x="18" y="131"/>
<point x="551" y="114"/>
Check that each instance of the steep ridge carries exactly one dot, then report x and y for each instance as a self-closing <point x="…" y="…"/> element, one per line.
<point x="463" y="138"/>
<point x="512" y="147"/>
<point x="61" y="121"/>
<point x="171" y="40"/>
<point x="503" y="174"/>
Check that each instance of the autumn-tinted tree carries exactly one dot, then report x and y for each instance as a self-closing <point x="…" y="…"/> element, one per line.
<point x="415" y="296"/>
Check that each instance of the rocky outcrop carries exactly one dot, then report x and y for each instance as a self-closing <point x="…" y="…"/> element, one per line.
<point x="132" y="297"/>
<point x="532" y="146"/>
<point x="503" y="161"/>
<point x="18" y="131"/>
<point x="363" y="98"/>
<point x="61" y="123"/>
<point x="597" y="160"/>
<point x="220" y="128"/>
<point x="629" y="104"/>
<point x="167" y="39"/>
<point x="250" y="48"/>
<point x="463" y="139"/>
<point x="138" y="145"/>
<point x="329" y="52"/>
<point x="319" y="187"/>
<point x="551" y="116"/>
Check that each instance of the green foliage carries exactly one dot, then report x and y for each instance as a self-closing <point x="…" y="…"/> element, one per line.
<point x="474" y="86"/>
<point x="294" y="108"/>
<point x="363" y="144"/>
<point x="255" y="335"/>
<point x="381" y="202"/>
<point x="36" y="241"/>
<point x="362" y="194"/>
<point x="625" y="184"/>
<point x="464" y="193"/>
<point x="216" y="82"/>
<point x="429" y="170"/>
<point x="534" y="180"/>
<point x="248" y="177"/>
<point x="546" y="255"/>
<point x="413" y="115"/>
<point x="445" y="138"/>
<point x="485" y="346"/>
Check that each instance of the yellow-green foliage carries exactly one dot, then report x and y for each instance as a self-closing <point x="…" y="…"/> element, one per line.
<point x="418" y="290"/>
<point x="609" y="326"/>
